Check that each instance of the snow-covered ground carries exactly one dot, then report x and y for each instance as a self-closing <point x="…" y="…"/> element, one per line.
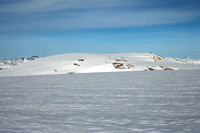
<point x="90" y="63"/>
<point x="123" y="102"/>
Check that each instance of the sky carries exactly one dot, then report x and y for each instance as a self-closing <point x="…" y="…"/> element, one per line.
<point x="169" y="28"/>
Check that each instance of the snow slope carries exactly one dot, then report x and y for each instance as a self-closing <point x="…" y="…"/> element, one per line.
<point x="89" y="63"/>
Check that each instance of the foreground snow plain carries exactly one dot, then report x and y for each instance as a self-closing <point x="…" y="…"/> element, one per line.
<point x="123" y="102"/>
<point x="92" y="63"/>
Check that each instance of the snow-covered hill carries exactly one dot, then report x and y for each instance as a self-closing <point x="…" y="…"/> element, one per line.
<point x="89" y="63"/>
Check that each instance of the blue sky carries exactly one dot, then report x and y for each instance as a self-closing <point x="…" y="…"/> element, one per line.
<point x="47" y="27"/>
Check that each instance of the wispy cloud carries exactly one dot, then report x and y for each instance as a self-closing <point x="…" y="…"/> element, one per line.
<point x="51" y="15"/>
<point x="97" y="19"/>
<point x="22" y="6"/>
<point x="49" y="5"/>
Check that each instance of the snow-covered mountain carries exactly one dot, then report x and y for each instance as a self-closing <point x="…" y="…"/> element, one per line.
<point x="5" y="64"/>
<point x="89" y="63"/>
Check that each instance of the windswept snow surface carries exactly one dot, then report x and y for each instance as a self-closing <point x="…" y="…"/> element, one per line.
<point x="90" y="63"/>
<point x="125" y="102"/>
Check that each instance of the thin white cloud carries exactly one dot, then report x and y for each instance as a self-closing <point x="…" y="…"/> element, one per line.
<point x="127" y="19"/>
<point x="89" y="19"/>
<point x="49" y="5"/>
<point x="106" y="19"/>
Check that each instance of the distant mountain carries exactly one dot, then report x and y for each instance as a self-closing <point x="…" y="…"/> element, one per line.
<point x="5" y="64"/>
<point x="92" y="63"/>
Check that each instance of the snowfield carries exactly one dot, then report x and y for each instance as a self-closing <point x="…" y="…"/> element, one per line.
<point x="93" y="63"/>
<point x="123" y="102"/>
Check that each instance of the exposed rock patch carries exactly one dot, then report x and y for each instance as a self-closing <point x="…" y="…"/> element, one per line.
<point x="166" y="68"/>
<point x="150" y="69"/>
<point x="76" y="64"/>
<point x="81" y="60"/>
<point x="121" y="60"/>
<point x="130" y="66"/>
<point x="157" y="58"/>
<point x="71" y="73"/>
<point x="118" y="65"/>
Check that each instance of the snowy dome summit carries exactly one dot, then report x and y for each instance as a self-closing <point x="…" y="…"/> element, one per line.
<point x="92" y="63"/>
